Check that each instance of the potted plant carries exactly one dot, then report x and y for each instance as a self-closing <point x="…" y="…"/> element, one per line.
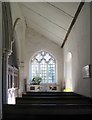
<point x="36" y="80"/>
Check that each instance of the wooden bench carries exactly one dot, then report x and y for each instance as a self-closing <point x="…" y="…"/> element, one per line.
<point x="52" y="100"/>
<point x="47" y="111"/>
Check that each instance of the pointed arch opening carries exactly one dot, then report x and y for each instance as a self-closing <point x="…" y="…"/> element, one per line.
<point x="43" y="64"/>
<point x="68" y="72"/>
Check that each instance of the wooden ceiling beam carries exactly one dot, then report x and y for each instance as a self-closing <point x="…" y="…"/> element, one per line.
<point x="72" y="23"/>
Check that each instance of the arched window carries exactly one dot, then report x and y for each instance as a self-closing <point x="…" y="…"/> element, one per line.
<point x="44" y="65"/>
<point x="69" y="72"/>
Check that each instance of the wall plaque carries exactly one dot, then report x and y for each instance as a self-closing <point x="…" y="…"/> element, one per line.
<point x="86" y="71"/>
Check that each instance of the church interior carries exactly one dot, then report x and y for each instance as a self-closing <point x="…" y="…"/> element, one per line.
<point x="45" y="60"/>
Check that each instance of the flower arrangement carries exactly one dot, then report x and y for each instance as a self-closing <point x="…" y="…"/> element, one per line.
<point x="36" y="80"/>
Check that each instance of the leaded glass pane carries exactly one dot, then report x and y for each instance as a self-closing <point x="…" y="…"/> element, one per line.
<point x="51" y="71"/>
<point x="35" y="68"/>
<point x="47" y="57"/>
<point x="39" y="57"/>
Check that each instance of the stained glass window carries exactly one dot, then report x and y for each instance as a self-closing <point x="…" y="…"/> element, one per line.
<point x="44" y="65"/>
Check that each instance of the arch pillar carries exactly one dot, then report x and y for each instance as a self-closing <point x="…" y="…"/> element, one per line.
<point x="6" y="47"/>
<point x="21" y="77"/>
<point x="5" y="57"/>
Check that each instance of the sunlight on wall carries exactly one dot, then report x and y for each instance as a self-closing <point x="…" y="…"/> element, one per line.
<point x="11" y="96"/>
<point x="11" y="100"/>
<point x="68" y="70"/>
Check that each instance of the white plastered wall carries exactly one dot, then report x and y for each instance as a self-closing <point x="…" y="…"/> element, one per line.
<point x="78" y="43"/>
<point x="91" y="46"/>
<point x="36" y="42"/>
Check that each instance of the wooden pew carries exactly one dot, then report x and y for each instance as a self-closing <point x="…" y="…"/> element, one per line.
<point x="47" y="111"/>
<point x="52" y="93"/>
<point x="52" y="100"/>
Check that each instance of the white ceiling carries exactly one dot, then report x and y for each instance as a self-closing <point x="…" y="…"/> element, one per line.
<point x="51" y="19"/>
